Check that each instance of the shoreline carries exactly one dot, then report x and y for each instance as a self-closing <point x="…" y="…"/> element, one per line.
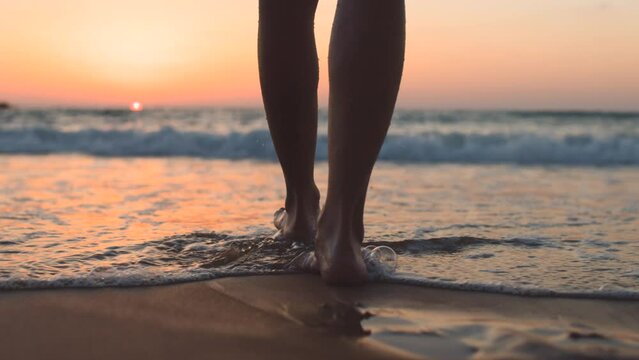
<point x="293" y="316"/>
<point x="473" y="288"/>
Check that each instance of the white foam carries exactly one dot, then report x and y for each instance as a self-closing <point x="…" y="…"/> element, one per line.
<point x="573" y="138"/>
<point x="522" y="148"/>
<point x="604" y="292"/>
<point x="136" y="278"/>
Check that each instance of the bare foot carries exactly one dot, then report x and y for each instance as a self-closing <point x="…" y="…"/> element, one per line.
<point x="298" y="221"/>
<point x="338" y="253"/>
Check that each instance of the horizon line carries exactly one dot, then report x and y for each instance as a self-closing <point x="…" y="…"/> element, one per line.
<point x="561" y="110"/>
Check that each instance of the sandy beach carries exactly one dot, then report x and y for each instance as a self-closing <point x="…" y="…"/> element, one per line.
<point x="296" y="316"/>
<point x="184" y="179"/>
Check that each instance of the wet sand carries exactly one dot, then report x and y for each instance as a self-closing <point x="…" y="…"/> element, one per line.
<point x="296" y="316"/>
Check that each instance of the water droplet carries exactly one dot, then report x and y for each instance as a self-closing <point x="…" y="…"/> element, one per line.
<point x="380" y="260"/>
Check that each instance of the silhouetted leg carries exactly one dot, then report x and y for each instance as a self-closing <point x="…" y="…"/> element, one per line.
<point x="289" y="76"/>
<point x="365" y="67"/>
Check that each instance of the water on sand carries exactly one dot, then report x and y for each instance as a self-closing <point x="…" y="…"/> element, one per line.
<point x="73" y="220"/>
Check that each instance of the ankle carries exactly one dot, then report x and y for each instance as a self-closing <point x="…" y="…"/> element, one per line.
<point x="338" y="225"/>
<point x="303" y="199"/>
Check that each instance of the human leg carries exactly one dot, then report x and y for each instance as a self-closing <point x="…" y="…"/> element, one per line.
<point x="365" y="67"/>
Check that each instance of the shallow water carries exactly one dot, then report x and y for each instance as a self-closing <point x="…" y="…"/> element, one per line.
<point x="75" y="220"/>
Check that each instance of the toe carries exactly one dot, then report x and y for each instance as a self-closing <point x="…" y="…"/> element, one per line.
<point x="345" y="275"/>
<point x="305" y="261"/>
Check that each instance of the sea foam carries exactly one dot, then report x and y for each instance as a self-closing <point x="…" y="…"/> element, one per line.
<point x="431" y="147"/>
<point x="538" y="138"/>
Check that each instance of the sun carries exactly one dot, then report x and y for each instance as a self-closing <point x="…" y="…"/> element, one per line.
<point x="136" y="106"/>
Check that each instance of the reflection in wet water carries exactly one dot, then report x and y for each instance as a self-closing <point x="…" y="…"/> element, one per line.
<point x="65" y="218"/>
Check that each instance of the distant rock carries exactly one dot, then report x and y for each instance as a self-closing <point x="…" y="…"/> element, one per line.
<point x="4" y="106"/>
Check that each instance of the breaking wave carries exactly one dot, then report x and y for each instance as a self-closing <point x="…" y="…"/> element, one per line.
<point x="426" y="147"/>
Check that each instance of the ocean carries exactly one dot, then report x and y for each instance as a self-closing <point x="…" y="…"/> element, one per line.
<point x="533" y="203"/>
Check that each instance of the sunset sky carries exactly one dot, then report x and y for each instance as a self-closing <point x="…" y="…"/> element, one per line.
<point x="532" y="54"/>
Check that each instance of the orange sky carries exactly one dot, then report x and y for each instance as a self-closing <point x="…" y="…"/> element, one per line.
<point x="571" y="54"/>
